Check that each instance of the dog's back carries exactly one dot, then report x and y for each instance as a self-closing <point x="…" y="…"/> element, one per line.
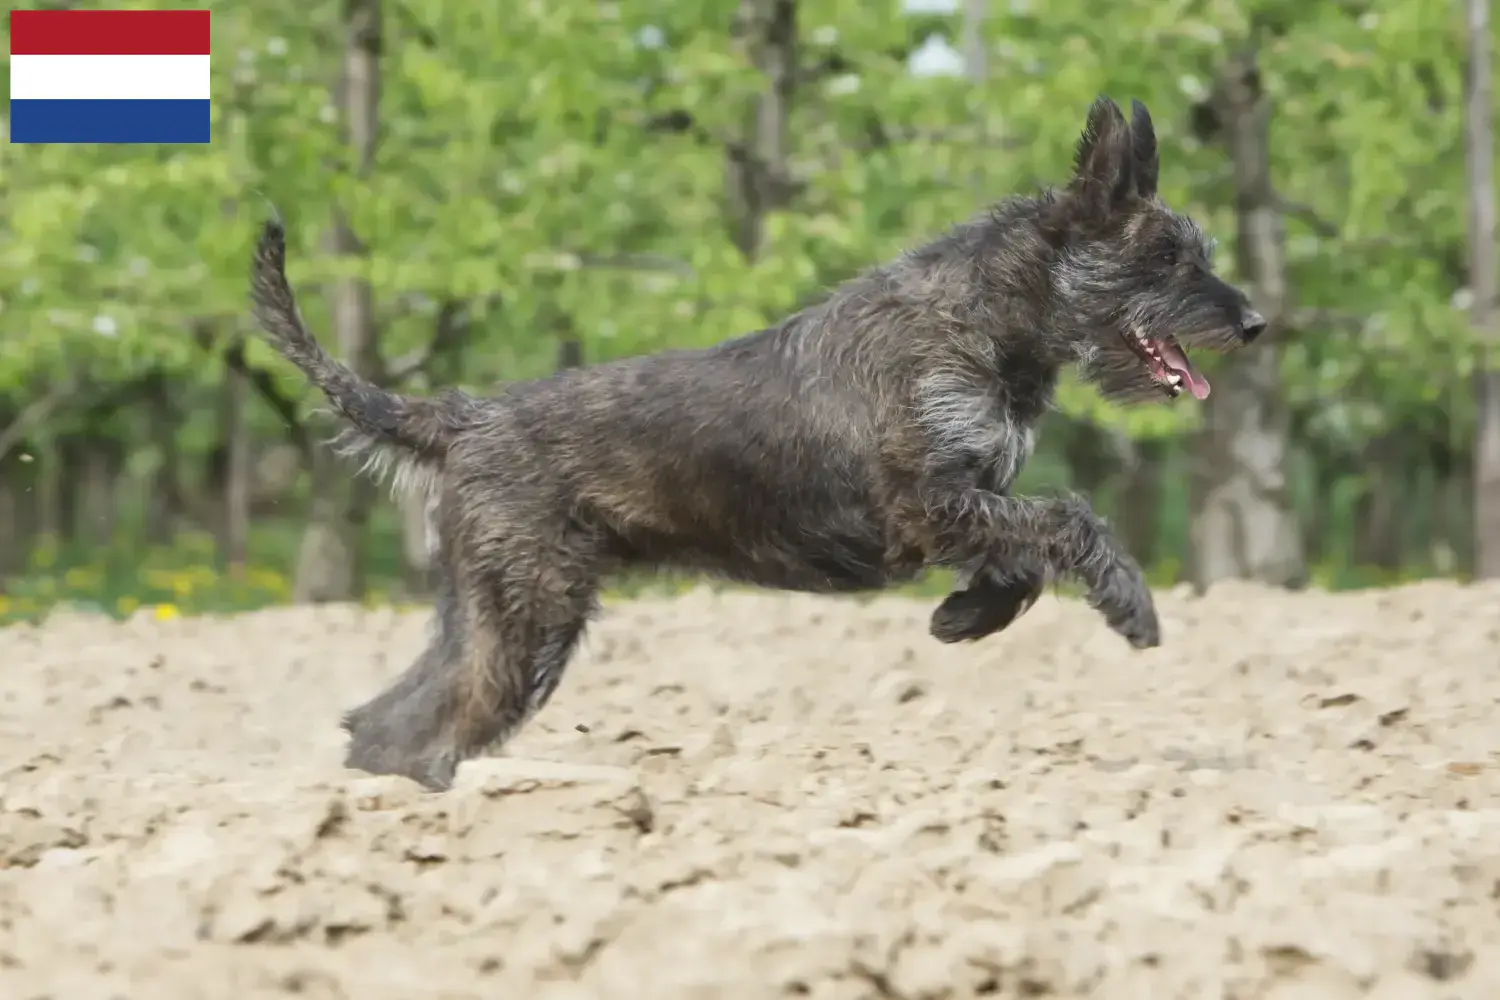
<point x="740" y="460"/>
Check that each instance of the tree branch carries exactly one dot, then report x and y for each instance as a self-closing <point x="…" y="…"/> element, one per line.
<point x="637" y="262"/>
<point x="35" y="413"/>
<point x="1308" y="216"/>
<point x="452" y="320"/>
<point x="265" y="385"/>
<point x="1314" y="317"/>
<point x="786" y="186"/>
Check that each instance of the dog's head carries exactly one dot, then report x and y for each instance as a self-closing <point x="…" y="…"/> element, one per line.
<point x="1135" y="280"/>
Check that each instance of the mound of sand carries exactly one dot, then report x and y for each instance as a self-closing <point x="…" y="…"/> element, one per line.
<point x="772" y="796"/>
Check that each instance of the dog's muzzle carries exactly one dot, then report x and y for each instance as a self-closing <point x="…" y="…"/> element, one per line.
<point x="1252" y="325"/>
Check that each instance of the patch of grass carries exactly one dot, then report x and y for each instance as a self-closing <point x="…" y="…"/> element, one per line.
<point x="167" y="582"/>
<point x="1339" y="576"/>
<point x="186" y="579"/>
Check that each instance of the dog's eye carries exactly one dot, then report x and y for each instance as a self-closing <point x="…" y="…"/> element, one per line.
<point x="1169" y="256"/>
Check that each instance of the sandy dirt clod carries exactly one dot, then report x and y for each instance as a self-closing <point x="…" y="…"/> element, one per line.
<point x="747" y="796"/>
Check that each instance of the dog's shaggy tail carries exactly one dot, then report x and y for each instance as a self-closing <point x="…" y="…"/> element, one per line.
<point x="419" y="430"/>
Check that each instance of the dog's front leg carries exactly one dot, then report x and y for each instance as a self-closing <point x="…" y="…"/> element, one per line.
<point x="1037" y="538"/>
<point x="963" y="431"/>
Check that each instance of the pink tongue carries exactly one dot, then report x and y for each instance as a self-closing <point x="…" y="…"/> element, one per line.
<point x="1178" y="362"/>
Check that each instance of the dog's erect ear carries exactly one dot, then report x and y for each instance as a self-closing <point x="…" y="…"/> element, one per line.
<point x="1144" y="163"/>
<point x="1102" y="165"/>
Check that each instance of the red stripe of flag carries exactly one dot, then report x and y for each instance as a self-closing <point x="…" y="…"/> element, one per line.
<point x="109" y="33"/>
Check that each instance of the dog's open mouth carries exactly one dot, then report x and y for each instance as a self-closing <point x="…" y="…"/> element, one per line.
<point x="1169" y="364"/>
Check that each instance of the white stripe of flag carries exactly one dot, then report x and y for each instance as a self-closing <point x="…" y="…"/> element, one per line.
<point x="121" y="78"/>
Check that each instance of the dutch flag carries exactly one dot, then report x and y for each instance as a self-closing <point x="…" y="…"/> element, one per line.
<point x="109" y="76"/>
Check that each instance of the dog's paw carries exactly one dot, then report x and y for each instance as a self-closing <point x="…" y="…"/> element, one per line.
<point x="399" y="733"/>
<point x="986" y="607"/>
<point x="1142" y="630"/>
<point x="1127" y="605"/>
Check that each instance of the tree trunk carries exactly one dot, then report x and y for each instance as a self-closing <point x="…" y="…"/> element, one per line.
<point x="756" y="175"/>
<point x="1450" y="533"/>
<point x="13" y="543"/>
<point x="976" y="69"/>
<point x="1244" y="522"/>
<point x="1448" y="537"/>
<point x="67" y="487"/>
<point x="971" y="43"/>
<point x="325" y="561"/>
<point x="330" y="565"/>
<point x="1093" y="455"/>
<point x="1480" y="156"/>
<point x="1140" y="500"/>
<point x="164" y="502"/>
<point x="1325" y="466"/>
<point x="49" y="493"/>
<point x="235" y="536"/>
<point x="102" y="459"/>
<point x="569" y="353"/>
<point x="1377" y="522"/>
<point x="18" y="509"/>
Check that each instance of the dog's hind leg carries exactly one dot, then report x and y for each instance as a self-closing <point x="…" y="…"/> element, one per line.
<point x="406" y="729"/>
<point x="528" y="603"/>
<point x="517" y="605"/>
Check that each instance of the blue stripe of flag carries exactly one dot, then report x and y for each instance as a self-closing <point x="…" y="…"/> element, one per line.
<point x="109" y="121"/>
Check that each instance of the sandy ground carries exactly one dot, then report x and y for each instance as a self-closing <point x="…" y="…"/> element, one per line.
<point x="772" y="796"/>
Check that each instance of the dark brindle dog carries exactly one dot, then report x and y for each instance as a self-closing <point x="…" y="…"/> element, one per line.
<point x="845" y="449"/>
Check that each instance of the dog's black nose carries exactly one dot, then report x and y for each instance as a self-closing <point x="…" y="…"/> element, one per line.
<point x="1253" y="325"/>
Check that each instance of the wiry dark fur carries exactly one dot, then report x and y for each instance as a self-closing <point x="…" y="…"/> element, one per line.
<point x="845" y="449"/>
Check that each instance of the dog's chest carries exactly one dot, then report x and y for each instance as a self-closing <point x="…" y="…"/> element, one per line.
<point x="1019" y="395"/>
<point x="1010" y="446"/>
